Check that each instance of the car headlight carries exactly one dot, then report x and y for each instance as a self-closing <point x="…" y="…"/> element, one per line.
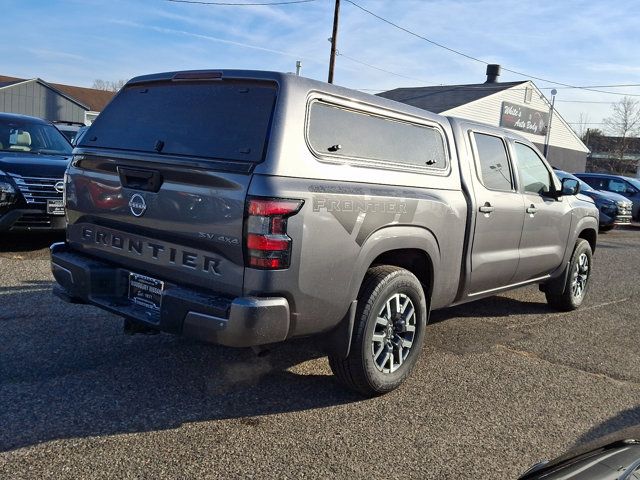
<point x="7" y="191"/>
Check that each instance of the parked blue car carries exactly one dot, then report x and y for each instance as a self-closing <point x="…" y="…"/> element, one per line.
<point x="614" y="209"/>
<point x="626" y="186"/>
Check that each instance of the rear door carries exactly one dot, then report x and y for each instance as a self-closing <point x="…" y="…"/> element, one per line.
<point x="158" y="184"/>
<point x="547" y="221"/>
<point x="499" y="215"/>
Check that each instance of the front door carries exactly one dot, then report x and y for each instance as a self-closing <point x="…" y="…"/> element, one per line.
<point x="547" y="221"/>
<point x="499" y="216"/>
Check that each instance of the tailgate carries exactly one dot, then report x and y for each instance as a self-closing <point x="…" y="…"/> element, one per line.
<point x="188" y="231"/>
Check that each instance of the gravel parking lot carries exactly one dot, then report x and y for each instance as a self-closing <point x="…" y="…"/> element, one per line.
<point x="502" y="384"/>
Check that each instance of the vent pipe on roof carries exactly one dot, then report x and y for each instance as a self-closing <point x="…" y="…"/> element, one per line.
<point x="493" y="72"/>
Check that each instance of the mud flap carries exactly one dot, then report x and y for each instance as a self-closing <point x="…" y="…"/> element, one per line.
<point x="338" y="341"/>
<point x="558" y="284"/>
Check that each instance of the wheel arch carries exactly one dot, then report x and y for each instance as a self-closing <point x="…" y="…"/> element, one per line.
<point x="413" y="248"/>
<point x="590" y="235"/>
<point x="586" y="229"/>
<point x="415" y="260"/>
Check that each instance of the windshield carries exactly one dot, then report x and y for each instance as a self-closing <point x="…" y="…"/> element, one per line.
<point x="20" y="136"/>
<point x="585" y="187"/>
<point x="633" y="181"/>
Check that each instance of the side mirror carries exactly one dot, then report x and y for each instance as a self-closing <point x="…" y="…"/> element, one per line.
<point x="570" y="186"/>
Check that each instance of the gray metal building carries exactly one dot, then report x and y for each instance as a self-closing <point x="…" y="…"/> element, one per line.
<point x="54" y="102"/>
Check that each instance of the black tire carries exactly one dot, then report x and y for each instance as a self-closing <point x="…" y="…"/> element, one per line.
<point x="606" y="229"/>
<point x="571" y="299"/>
<point x="360" y="371"/>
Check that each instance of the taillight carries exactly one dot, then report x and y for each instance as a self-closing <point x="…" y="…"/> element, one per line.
<point x="267" y="243"/>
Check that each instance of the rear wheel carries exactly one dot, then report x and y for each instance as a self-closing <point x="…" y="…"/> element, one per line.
<point x="577" y="282"/>
<point x="388" y="332"/>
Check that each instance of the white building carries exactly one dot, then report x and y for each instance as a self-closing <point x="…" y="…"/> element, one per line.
<point x="519" y="106"/>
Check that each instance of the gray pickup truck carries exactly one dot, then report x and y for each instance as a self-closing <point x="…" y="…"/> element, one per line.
<point x="247" y="208"/>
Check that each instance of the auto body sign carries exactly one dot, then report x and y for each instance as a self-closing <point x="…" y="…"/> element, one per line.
<point x="517" y="117"/>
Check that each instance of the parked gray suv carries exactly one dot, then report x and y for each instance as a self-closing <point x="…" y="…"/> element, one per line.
<point x="247" y="208"/>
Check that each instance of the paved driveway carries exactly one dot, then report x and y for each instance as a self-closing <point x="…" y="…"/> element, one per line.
<point x="502" y="383"/>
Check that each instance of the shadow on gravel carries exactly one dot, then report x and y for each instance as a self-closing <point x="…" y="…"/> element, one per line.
<point x="624" y="425"/>
<point x="497" y="306"/>
<point x="67" y="371"/>
<point x="27" y="242"/>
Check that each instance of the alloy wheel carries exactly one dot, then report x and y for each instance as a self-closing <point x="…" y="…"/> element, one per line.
<point x="394" y="332"/>
<point x="580" y="276"/>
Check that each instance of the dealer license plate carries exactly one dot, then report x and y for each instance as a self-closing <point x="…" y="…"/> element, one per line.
<point x="55" y="207"/>
<point x="146" y="291"/>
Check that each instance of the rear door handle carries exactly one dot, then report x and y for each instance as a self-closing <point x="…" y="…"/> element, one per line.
<point x="487" y="208"/>
<point x="532" y="209"/>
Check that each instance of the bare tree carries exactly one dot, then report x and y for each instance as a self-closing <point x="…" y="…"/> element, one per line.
<point x="108" y="85"/>
<point x="624" y="123"/>
<point x="582" y="125"/>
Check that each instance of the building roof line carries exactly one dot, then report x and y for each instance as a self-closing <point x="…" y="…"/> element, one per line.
<point x="45" y="84"/>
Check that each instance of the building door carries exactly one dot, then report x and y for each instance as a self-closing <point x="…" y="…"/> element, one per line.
<point x="547" y="220"/>
<point x="499" y="216"/>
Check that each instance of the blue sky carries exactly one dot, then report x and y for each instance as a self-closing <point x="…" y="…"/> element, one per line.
<point x="573" y="42"/>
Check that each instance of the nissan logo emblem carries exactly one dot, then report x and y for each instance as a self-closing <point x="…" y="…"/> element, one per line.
<point x="59" y="186"/>
<point x="137" y="205"/>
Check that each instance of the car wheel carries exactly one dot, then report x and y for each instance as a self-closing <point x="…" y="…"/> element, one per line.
<point x="388" y="333"/>
<point x="608" y="228"/>
<point x="577" y="284"/>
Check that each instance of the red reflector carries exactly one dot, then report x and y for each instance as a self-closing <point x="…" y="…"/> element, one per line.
<point x="265" y="262"/>
<point x="267" y="208"/>
<point x="264" y="242"/>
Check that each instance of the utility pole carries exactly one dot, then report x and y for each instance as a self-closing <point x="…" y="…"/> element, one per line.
<point x="298" y="67"/>
<point x="334" y="41"/>
<point x="546" y="140"/>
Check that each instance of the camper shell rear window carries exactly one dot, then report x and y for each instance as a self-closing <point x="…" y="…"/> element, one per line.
<point x="222" y="120"/>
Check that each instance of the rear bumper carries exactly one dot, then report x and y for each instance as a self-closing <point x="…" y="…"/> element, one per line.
<point x="30" y="219"/>
<point x="237" y="322"/>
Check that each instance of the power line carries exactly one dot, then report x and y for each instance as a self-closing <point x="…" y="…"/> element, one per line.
<point x="235" y="4"/>
<point x="379" y="69"/>
<point x="583" y="101"/>
<point x="470" y="57"/>
<point x="619" y="85"/>
<point x="594" y="123"/>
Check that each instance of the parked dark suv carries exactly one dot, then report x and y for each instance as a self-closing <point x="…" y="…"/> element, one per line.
<point x="625" y="186"/>
<point x="614" y="208"/>
<point x="33" y="158"/>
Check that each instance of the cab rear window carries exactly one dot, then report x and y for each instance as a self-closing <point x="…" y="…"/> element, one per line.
<point x="222" y="120"/>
